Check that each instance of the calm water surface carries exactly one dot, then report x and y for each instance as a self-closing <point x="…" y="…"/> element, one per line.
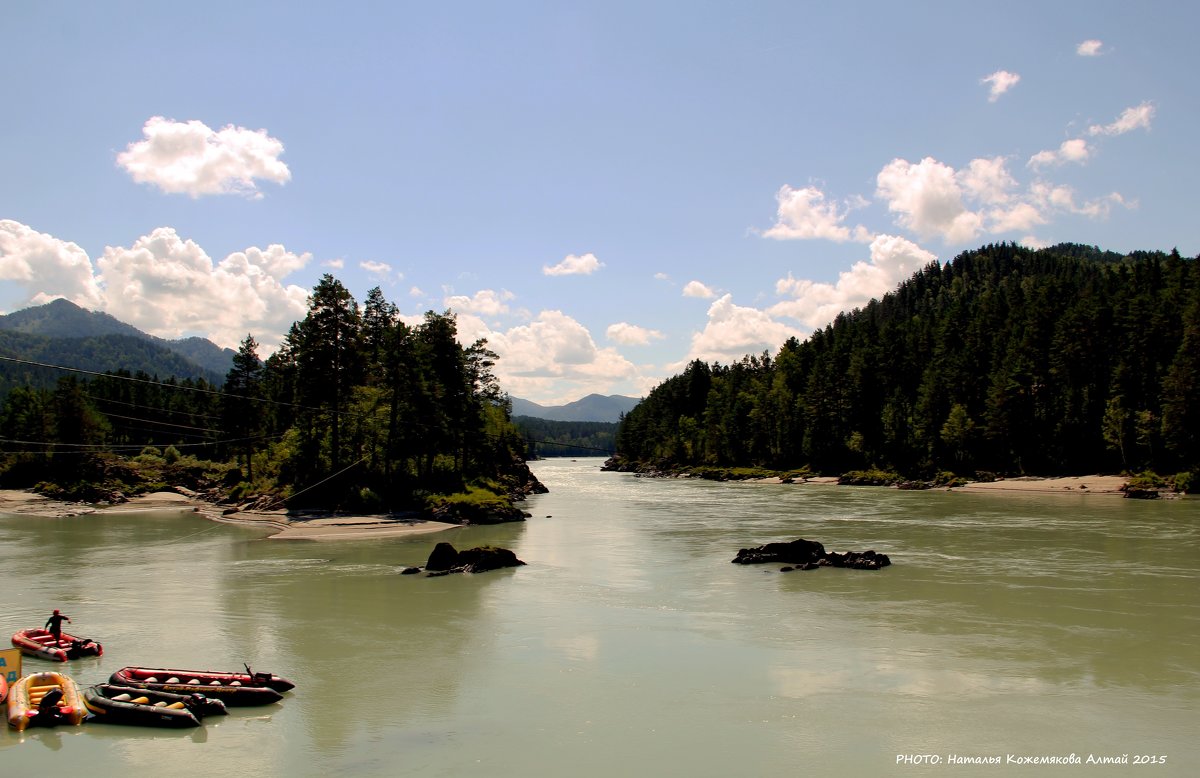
<point x="630" y="645"/>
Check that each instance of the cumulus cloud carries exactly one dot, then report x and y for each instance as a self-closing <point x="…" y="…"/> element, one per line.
<point x="485" y="302"/>
<point x="1089" y="48"/>
<point x="46" y="268"/>
<point x="162" y="284"/>
<point x="170" y="287"/>
<point x="1137" y="117"/>
<point x="733" y="331"/>
<point x="1062" y="198"/>
<point x="193" y="159"/>
<point x="928" y="199"/>
<point x="805" y="214"/>
<point x="1001" y="81"/>
<point x="1074" y="150"/>
<point x="698" y="289"/>
<point x="987" y="180"/>
<point x="376" y="268"/>
<point x="632" y="335"/>
<point x="551" y="358"/>
<point x="574" y="266"/>
<point x="893" y="260"/>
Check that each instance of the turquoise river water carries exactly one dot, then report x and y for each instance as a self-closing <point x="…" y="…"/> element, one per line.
<point x="1008" y="628"/>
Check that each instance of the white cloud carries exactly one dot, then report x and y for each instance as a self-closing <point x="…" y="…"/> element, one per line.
<point x="661" y="277"/>
<point x="552" y="358"/>
<point x="928" y="199"/>
<point x="1001" y="82"/>
<point x="574" y="266"/>
<point x="734" y="331"/>
<point x="1062" y="198"/>
<point x="987" y="180"/>
<point x="697" y="289"/>
<point x="416" y="292"/>
<point x="1137" y="117"/>
<point x="334" y="264"/>
<point x="1073" y="150"/>
<point x="632" y="335"/>
<point x="1089" y="48"/>
<point x="376" y="268"/>
<point x="169" y="287"/>
<point x="893" y="260"/>
<point x="190" y="158"/>
<point x="485" y="302"/>
<point x="46" y="267"/>
<point x="804" y="214"/>
<point x="1016" y="217"/>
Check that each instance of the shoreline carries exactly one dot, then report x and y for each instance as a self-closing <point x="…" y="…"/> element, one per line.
<point x="315" y="526"/>
<point x="323" y="526"/>
<point x="1087" y="484"/>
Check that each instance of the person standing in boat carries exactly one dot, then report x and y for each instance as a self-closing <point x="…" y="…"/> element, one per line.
<point x="54" y="624"/>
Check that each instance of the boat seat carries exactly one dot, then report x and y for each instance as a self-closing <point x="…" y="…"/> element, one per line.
<point x="140" y="700"/>
<point x="176" y="706"/>
<point x="123" y="697"/>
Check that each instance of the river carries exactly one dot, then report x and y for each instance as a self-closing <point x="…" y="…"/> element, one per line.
<point x="1007" y="627"/>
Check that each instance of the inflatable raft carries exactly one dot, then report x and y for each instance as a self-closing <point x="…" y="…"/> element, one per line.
<point x="247" y="688"/>
<point x="40" y="643"/>
<point x="45" y="700"/>
<point x="148" y="708"/>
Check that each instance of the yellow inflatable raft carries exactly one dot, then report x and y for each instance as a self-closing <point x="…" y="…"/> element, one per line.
<point x="44" y="700"/>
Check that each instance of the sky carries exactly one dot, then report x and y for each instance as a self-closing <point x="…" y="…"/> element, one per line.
<point x="605" y="191"/>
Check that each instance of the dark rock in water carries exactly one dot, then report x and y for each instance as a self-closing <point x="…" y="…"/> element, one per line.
<point x="484" y="558"/>
<point x="795" y="552"/>
<point x="446" y="559"/>
<point x="1141" y="494"/>
<point x="443" y="557"/>
<point x="410" y="571"/>
<point x="804" y="554"/>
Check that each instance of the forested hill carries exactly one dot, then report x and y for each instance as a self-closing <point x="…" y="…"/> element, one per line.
<point x="62" y="333"/>
<point x="1009" y="360"/>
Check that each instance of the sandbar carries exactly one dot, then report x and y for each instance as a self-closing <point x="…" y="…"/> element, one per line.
<point x="280" y="523"/>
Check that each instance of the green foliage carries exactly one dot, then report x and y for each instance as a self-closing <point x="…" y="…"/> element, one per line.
<point x="1146" y="480"/>
<point x="1185" y="482"/>
<point x="871" y="477"/>
<point x="1006" y="360"/>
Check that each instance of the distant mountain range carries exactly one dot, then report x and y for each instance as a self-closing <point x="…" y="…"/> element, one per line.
<point x="62" y="333"/>
<point x="594" y="407"/>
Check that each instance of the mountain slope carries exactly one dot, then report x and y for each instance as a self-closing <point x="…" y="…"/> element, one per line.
<point x="62" y="333"/>
<point x="594" y="407"/>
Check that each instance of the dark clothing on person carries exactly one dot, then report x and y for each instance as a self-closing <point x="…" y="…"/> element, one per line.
<point x="54" y="624"/>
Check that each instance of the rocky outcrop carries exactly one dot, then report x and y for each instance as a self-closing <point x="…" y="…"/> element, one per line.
<point x="804" y="554"/>
<point x="446" y="559"/>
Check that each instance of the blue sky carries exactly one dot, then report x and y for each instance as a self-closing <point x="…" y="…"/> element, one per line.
<point x="604" y="190"/>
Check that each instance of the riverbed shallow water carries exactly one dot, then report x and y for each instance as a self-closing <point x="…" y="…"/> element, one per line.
<point x="1009" y="626"/>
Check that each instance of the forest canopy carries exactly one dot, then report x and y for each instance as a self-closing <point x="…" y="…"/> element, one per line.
<point x="1009" y="360"/>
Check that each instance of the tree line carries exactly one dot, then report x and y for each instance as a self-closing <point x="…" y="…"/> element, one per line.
<point x="1007" y="360"/>
<point x="355" y="409"/>
<point x="548" y="438"/>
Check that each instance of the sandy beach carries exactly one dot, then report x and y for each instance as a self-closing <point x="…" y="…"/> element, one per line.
<point x="279" y="523"/>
